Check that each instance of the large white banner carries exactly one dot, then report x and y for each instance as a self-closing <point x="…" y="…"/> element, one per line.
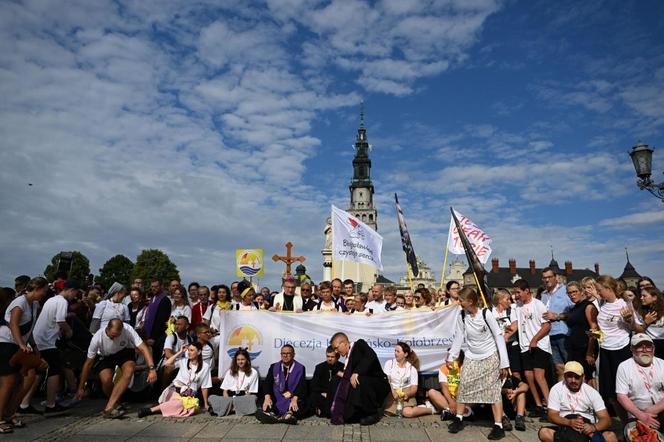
<point x="429" y="333"/>
<point x="352" y="240"/>
<point x="479" y="240"/>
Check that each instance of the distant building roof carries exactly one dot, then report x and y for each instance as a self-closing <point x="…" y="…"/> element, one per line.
<point x="506" y="276"/>
<point x="383" y="280"/>
<point x="629" y="272"/>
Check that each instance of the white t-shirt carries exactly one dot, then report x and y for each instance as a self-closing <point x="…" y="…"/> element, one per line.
<point x="47" y="330"/>
<point x="400" y="377"/>
<point x="505" y="321"/>
<point x="188" y="378"/>
<point x="102" y="345"/>
<point x="28" y="314"/>
<point x="611" y="322"/>
<point x="327" y="307"/>
<point x="208" y="354"/>
<point x="182" y="310"/>
<point x="483" y="338"/>
<point x="530" y="321"/>
<point x="213" y="315"/>
<point x="174" y="343"/>
<point x="376" y="306"/>
<point x="654" y="330"/>
<point x="250" y="307"/>
<point x="107" y="310"/>
<point x="585" y="402"/>
<point x="643" y="385"/>
<point x="241" y="381"/>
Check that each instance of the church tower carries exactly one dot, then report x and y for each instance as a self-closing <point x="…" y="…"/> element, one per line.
<point x="362" y="206"/>
<point x="361" y="187"/>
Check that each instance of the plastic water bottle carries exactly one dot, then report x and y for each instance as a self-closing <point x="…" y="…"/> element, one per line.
<point x="400" y="408"/>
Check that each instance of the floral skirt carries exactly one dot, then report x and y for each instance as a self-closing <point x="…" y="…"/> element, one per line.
<point x="480" y="381"/>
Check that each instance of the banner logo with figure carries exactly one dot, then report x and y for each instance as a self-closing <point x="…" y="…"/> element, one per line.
<point x="352" y="240"/>
<point x="249" y="262"/>
<point x="245" y="336"/>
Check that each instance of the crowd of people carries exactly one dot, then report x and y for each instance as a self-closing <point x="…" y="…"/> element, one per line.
<point x="573" y="354"/>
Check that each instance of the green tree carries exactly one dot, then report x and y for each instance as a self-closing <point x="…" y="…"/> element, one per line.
<point x="118" y="268"/>
<point x="154" y="263"/>
<point x="80" y="267"/>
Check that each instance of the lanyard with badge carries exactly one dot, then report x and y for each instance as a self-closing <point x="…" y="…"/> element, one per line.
<point x="648" y="379"/>
<point x="239" y="382"/>
<point x="284" y="388"/>
<point x="573" y="399"/>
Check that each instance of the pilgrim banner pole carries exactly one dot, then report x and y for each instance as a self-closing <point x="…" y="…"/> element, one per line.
<point x="410" y="279"/>
<point x="475" y="264"/>
<point x="442" y="277"/>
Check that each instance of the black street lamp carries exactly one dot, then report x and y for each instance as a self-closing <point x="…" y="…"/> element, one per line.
<point x="642" y="158"/>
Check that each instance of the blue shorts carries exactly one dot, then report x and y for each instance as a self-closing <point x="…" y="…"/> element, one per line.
<point x="558" y="350"/>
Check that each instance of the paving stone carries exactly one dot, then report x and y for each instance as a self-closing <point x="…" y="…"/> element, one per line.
<point x="37" y="427"/>
<point x="301" y="432"/>
<point x="118" y="428"/>
<point x="215" y="430"/>
<point x="257" y="432"/>
<point x="171" y="430"/>
<point x="398" y="434"/>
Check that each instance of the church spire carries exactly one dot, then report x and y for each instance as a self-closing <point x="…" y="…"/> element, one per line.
<point x="362" y="114"/>
<point x="361" y="187"/>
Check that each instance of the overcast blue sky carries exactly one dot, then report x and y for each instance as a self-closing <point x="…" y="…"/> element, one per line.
<point x="201" y="127"/>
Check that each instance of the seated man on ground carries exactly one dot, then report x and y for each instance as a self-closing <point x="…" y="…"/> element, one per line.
<point x="115" y="346"/>
<point x="577" y="409"/>
<point x="363" y="386"/>
<point x="514" y="402"/>
<point x="324" y="383"/>
<point x="640" y="386"/>
<point x="285" y="390"/>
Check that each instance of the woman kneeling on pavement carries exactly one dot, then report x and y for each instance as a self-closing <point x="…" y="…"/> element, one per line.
<point x="181" y="397"/>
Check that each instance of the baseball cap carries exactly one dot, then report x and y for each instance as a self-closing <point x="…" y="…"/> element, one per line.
<point x="72" y="284"/>
<point x="640" y="337"/>
<point x="574" y="367"/>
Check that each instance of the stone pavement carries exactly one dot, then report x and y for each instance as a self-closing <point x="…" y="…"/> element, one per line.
<point x="84" y="424"/>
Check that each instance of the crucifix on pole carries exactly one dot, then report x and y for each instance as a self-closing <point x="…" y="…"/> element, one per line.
<point x="288" y="259"/>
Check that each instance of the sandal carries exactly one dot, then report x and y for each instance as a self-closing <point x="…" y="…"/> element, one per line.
<point x="5" y="428"/>
<point x="15" y="422"/>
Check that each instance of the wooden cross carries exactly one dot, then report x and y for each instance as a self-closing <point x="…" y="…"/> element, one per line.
<point x="288" y="259"/>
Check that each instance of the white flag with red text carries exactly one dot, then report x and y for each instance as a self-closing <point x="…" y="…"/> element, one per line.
<point x="352" y="240"/>
<point x="480" y="241"/>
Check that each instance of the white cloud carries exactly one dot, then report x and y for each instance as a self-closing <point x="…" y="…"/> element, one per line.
<point x="635" y="220"/>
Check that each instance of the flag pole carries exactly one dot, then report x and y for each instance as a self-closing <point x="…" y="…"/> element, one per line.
<point x="442" y="277"/>
<point x="473" y="262"/>
<point x="479" y="287"/>
<point x="410" y="280"/>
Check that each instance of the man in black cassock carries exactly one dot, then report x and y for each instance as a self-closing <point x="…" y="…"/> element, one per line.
<point x="362" y="387"/>
<point x="324" y="383"/>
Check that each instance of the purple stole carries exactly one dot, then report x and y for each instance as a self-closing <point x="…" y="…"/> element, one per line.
<point x="341" y="395"/>
<point x="281" y="384"/>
